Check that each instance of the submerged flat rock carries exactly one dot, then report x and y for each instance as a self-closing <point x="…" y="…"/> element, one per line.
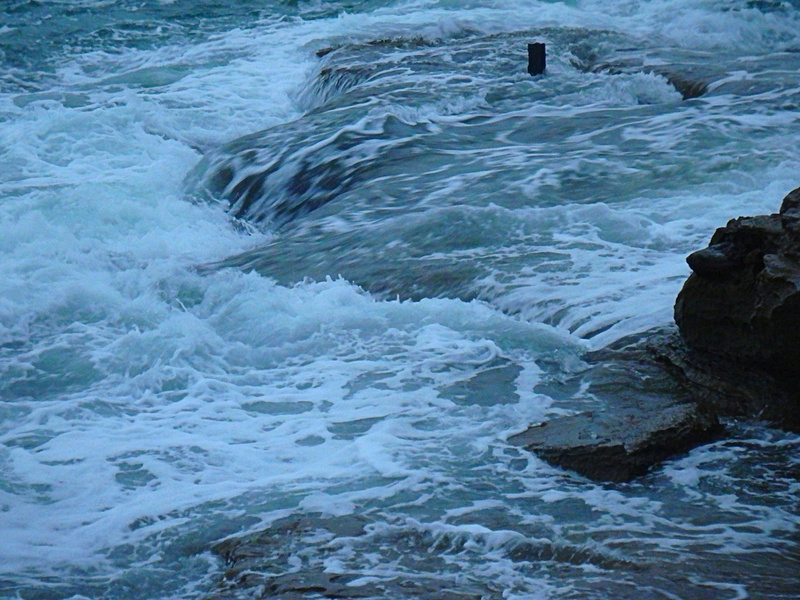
<point x="618" y="446"/>
<point x="641" y="413"/>
<point x="311" y="556"/>
<point x="655" y="398"/>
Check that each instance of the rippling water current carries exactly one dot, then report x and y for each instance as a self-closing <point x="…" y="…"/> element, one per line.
<point x="269" y="262"/>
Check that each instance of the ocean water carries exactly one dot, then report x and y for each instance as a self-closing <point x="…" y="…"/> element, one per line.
<point x="288" y="259"/>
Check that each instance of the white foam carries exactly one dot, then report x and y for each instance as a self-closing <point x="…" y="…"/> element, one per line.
<point x="142" y="396"/>
<point x="247" y="341"/>
<point x="701" y="25"/>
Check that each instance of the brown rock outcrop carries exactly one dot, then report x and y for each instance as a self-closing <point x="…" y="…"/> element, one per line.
<point x="742" y="301"/>
<point x="737" y="356"/>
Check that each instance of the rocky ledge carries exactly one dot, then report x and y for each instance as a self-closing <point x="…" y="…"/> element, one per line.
<point x="736" y="353"/>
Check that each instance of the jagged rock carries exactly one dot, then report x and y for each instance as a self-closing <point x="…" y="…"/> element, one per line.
<point x="742" y="301"/>
<point x="687" y="87"/>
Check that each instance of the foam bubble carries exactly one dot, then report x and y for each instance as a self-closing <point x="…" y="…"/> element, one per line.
<point x="151" y="408"/>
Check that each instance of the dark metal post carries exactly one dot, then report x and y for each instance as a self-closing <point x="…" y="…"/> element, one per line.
<point x="536" y="58"/>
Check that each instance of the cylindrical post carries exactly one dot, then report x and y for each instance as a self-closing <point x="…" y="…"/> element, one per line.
<point x="536" y="58"/>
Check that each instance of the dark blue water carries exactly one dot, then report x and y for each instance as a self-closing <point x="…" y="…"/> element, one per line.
<point x="270" y="262"/>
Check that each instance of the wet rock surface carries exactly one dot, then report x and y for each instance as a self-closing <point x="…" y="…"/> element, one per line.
<point x="618" y="446"/>
<point x="742" y="301"/>
<point x="736" y="354"/>
<point x="292" y="560"/>
<point x="642" y="414"/>
<point x="374" y="555"/>
<point x="655" y="398"/>
<point x="729" y="388"/>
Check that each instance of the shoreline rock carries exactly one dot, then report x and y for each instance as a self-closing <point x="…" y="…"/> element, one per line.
<point x="620" y="446"/>
<point x="644" y="415"/>
<point x="259" y="565"/>
<point x="742" y="300"/>
<point x="736" y="354"/>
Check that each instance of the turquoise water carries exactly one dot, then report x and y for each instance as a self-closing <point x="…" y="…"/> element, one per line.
<point x="428" y="239"/>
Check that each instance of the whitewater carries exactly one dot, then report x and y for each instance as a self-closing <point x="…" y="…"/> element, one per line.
<point x="318" y="260"/>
